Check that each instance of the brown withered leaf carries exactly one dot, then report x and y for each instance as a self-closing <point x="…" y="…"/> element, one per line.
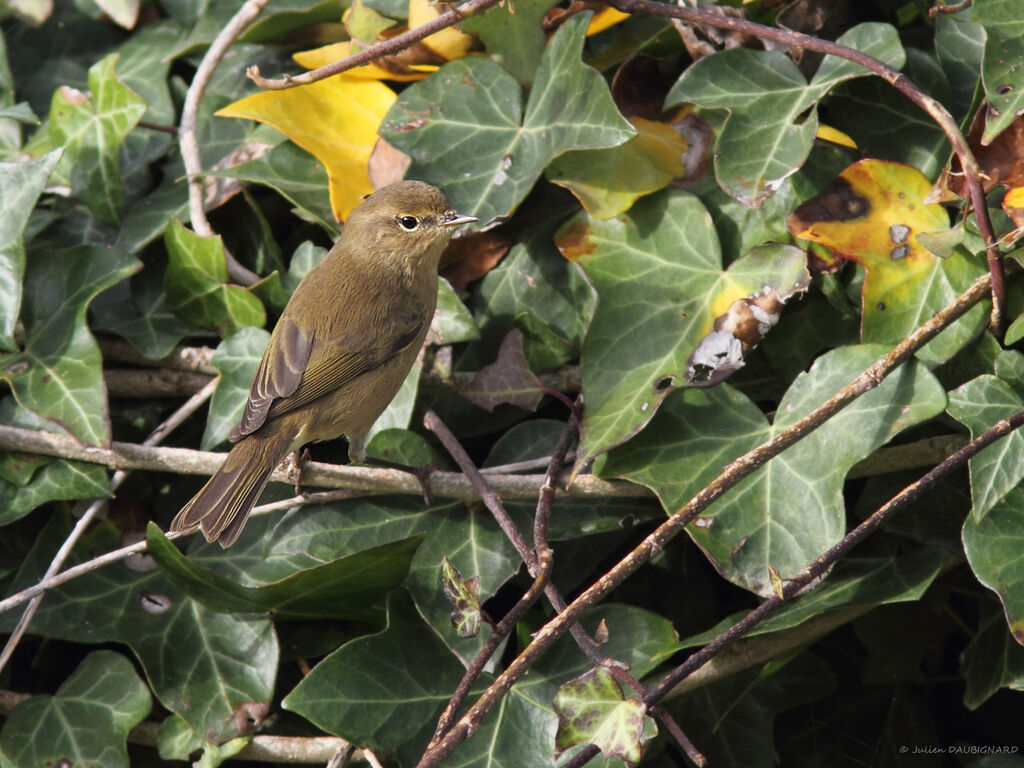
<point x="507" y="380"/>
<point x="387" y="165"/>
<point x="999" y="161"/>
<point x="467" y="259"/>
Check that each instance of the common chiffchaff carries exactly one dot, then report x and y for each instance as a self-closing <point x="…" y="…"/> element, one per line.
<point x="341" y="349"/>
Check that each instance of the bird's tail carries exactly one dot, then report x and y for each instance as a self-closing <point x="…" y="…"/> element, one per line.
<point x="223" y="504"/>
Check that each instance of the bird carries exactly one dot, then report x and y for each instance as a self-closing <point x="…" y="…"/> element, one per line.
<point x="339" y="352"/>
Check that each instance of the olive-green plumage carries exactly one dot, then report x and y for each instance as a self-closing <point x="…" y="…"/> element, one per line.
<point x="340" y="350"/>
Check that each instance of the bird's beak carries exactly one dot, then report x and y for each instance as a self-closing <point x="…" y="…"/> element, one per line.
<point x="454" y="219"/>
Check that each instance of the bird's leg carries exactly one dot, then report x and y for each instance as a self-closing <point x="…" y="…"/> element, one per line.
<point x="296" y="461"/>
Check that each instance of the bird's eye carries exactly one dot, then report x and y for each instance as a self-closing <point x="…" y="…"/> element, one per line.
<point x="408" y="223"/>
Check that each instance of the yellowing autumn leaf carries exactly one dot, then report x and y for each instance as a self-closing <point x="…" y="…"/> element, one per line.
<point x="386" y="68"/>
<point x="449" y="43"/>
<point x="604" y="18"/>
<point x="335" y="120"/>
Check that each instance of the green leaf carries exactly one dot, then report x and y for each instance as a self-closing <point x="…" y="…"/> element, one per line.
<point x="20" y="187"/>
<point x="91" y="130"/>
<point x="661" y="287"/>
<point x="992" y="660"/>
<point x="86" y="720"/>
<point x="197" y="287"/>
<point x="513" y="36"/>
<point x="136" y="310"/>
<point x="999" y="468"/>
<point x="1002" y="66"/>
<point x="237" y="359"/>
<point x="346" y="588"/>
<point x="452" y="322"/>
<point x="382" y="689"/>
<point x="467" y="131"/>
<point x="791" y="510"/>
<point x="176" y="740"/>
<point x="463" y="595"/>
<point x="58" y="376"/>
<point x="56" y="480"/>
<point x="294" y="174"/>
<point x="215" y="670"/>
<point x="992" y="545"/>
<point x="959" y="46"/>
<point x="592" y="710"/>
<point x="767" y="135"/>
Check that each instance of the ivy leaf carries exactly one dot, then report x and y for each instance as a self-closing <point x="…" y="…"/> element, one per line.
<point x="513" y="36"/>
<point x="791" y="510"/>
<point x="335" y="120"/>
<point x="382" y="689"/>
<point x="767" y="135"/>
<point x="1002" y="64"/>
<point x="592" y="710"/>
<point x="58" y="376"/>
<point x="348" y="587"/>
<point x="197" y="287"/>
<point x="468" y="133"/>
<point x="992" y="545"/>
<point x="661" y="290"/>
<point x="999" y="468"/>
<point x="91" y="129"/>
<point x="873" y="213"/>
<point x="88" y="718"/>
<point x="20" y="187"/>
<point x="215" y="670"/>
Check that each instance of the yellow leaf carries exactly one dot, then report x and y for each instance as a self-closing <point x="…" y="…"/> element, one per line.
<point x="382" y="69"/>
<point x="449" y="43"/>
<point x="335" y="120"/>
<point x="609" y="181"/>
<point x="606" y="17"/>
<point x="835" y="136"/>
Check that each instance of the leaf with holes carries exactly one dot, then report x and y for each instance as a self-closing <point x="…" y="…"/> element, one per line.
<point x="873" y="213"/>
<point x="1002" y="64"/>
<point x="661" y="294"/>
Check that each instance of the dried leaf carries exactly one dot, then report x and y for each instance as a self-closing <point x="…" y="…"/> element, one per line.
<point x="467" y="259"/>
<point x="507" y="380"/>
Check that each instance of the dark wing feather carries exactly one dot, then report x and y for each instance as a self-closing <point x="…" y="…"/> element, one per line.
<point x="332" y="366"/>
<point x="279" y="375"/>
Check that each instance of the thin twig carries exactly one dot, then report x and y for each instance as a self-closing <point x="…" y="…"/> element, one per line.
<point x="730" y="476"/>
<point x="896" y="79"/>
<point x="188" y="141"/>
<point x="681" y="738"/>
<point x="158" y="434"/>
<point x="383" y="48"/>
<point x="499" y="632"/>
<point x="935" y="10"/>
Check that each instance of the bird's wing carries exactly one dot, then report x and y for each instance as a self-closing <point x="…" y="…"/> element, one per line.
<point x="279" y="375"/>
<point x="326" y="366"/>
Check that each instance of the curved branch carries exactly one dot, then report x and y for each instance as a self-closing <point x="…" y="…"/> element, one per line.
<point x="189" y="144"/>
